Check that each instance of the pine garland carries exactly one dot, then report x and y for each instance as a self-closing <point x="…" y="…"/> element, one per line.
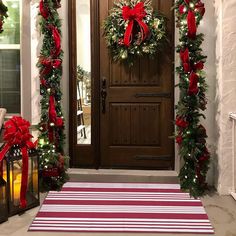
<point x="3" y="15"/>
<point x="53" y="163"/>
<point x="191" y="135"/>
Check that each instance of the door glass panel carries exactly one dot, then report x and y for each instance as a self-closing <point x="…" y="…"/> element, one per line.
<point x="83" y="72"/>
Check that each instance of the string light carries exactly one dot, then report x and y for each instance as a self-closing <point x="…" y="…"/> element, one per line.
<point x="191" y="5"/>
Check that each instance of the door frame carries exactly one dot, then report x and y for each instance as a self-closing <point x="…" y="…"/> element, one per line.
<point x="88" y="152"/>
<point x="84" y="150"/>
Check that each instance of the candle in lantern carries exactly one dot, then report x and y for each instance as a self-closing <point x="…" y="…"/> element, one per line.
<point x="35" y="179"/>
<point x="17" y="187"/>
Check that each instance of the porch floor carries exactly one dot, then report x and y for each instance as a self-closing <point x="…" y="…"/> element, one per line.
<point x="220" y="209"/>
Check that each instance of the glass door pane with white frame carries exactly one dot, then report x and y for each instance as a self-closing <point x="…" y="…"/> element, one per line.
<point x="83" y="72"/>
<point x="10" y="72"/>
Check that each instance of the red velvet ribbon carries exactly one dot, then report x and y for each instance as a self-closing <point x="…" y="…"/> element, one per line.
<point x="50" y="134"/>
<point x="24" y="178"/>
<point x="179" y="139"/>
<point x="58" y="121"/>
<point x="192" y="26"/>
<point x="17" y="133"/>
<point x="1" y="169"/>
<point x="200" y="7"/>
<point x="136" y="14"/>
<point x="43" y="10"/>
<point x="180" y="122"/>
<point x="49" y="64"/>
<point x="57" y="40"/>
<point x="184" y="56"/>
<point x="1" y="24"/>
<point x="52" y="109"/>
<point x="193" y="84"/>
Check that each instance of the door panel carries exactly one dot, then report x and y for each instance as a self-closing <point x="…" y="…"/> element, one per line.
<point x="137" y="123"/>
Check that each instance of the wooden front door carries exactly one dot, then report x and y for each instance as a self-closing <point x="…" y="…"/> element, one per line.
<point x="131" y="127"/>
<point x="137" y="121"/>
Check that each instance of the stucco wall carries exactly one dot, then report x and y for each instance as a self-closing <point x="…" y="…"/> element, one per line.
<point x="226" y="89"/>
<point x="207" y="27"/>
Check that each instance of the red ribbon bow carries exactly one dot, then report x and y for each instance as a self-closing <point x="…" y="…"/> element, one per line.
<point x="49" y="65"/>
<point x="17" y="133"/>
<point x="58" y="121"/>
<point x="192" y="25"/>
<point x="193" y="84"/>
<point x="136" y="14"/>
<point x="43" y="10"/>
<point x="180" y="122"/>
<point x="200" y="7"/>
<point x="184" y="56"/>
<point x="57" y="40"/>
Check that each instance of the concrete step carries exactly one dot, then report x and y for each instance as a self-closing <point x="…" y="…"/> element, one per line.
<point x="112" y="175"/>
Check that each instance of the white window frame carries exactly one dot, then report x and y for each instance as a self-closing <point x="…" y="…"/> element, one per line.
<point x="17" y="47"/>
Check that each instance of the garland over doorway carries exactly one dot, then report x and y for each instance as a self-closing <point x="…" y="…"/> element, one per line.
<point x="53" y="163"/>
<point x="191" y="135"/>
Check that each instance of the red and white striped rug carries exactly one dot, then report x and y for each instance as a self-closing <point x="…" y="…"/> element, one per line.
<point x="122" y="207"/>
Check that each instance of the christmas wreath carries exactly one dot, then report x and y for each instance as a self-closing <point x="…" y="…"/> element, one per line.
<point x="133" y="29"/>
<point x="3" y="14"/>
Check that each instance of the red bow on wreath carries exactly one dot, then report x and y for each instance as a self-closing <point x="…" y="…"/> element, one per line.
<point x="17" y="133"/>
<point x="136" y="14"/>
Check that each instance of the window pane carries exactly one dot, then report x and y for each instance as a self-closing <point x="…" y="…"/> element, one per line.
<point x="11" y="33"/>
<point x="83" y="72"/>
<point x="10" y="80"/>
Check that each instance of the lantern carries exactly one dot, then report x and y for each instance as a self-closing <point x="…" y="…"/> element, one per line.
<point x="3" y="200"/>
<point x="14" y="163"/>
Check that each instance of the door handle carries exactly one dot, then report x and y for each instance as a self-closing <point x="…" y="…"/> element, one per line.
<point x="104" y="94"/>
